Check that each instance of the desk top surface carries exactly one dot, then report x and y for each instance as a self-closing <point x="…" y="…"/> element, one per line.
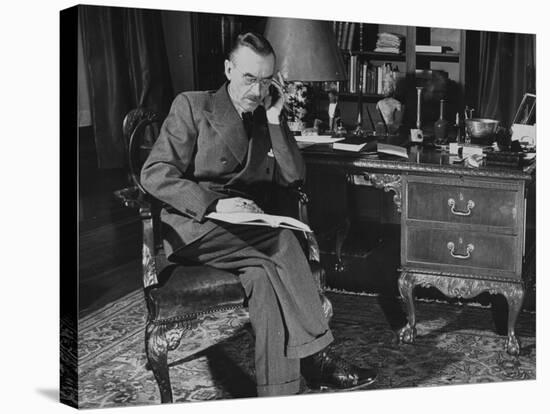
<point x="425" y="158"/>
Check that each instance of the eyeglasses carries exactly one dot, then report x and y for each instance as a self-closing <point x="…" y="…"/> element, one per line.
<point x="250" y="80"/>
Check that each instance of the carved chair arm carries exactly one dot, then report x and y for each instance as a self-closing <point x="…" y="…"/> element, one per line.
<point x="132" y="197"/>
<point x="312" y="244"/>
<point x="149" y="261"/>
<point x="314" y="253"/>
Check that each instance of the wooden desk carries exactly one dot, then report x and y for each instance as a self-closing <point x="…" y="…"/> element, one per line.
<point x="462" y="229"/>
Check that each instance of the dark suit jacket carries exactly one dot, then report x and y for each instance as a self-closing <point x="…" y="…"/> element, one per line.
<point x="203" y="154"/>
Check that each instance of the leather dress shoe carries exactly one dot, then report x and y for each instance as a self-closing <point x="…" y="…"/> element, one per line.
<point x="326" y="370"/>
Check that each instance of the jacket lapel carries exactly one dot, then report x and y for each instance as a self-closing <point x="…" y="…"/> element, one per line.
<point x="226" y="121"/>
<point x="259" y="146"/>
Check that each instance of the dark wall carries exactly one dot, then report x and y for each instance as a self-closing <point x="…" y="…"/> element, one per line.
<point x="178" y="36"/>
<point x="212" y="39"/>
<point x="97" y="204"/>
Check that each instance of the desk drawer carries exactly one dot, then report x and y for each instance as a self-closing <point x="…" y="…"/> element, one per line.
<point x="461" y="251"/>
<point x="463" y="204"/>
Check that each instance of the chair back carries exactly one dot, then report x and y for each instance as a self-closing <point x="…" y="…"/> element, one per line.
<point x="140" y="129"/>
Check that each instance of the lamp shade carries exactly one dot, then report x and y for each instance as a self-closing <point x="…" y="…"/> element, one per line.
<point x="305" y="50"/>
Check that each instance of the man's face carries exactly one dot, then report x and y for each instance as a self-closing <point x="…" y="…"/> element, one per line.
<point x="249" y="76"/>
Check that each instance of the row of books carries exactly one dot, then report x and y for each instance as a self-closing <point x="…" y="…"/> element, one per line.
<point x="366" y="78"/>
<point x="350" y="35"/>
<point x="370" y="79"/>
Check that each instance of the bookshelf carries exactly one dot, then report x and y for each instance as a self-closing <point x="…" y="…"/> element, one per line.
<point x="408" y="60"/>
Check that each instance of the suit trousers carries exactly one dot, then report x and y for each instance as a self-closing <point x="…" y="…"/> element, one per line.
<point x="283" y="300"/>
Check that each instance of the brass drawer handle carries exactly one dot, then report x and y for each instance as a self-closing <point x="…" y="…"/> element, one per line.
<point x="451" y="202"/>
<point x="469" y="249"/>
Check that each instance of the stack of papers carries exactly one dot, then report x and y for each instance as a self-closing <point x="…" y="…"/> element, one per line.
<point x="389" y="43"/>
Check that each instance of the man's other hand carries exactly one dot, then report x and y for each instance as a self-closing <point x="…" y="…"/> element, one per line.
<point x="237" y="205"/>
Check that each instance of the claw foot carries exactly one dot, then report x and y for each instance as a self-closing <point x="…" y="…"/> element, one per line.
<point x="512" y="345"/>
<point x="407" y="334"/>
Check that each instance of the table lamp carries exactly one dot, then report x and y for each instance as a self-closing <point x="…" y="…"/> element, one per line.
<point x="306" y="50"/>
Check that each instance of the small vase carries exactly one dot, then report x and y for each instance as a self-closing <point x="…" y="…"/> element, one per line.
<point x="440" y="126"/>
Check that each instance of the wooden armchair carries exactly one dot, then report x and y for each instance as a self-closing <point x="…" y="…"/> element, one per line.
<point x="179" y="295"/>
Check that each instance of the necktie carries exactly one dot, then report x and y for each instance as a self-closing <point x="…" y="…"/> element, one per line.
<point x="247" y="121"/>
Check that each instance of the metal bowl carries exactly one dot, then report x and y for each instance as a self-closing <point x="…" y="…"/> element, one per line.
<point x="481" y="128"/>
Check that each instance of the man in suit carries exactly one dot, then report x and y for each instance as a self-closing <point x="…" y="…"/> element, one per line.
<point x="217" y="152"/>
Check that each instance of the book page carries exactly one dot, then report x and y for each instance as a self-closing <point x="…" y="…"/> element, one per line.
<point x="260" y="219"/>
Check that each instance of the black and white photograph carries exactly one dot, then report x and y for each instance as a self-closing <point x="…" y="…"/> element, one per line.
<point x="239" y="237"/>
<point x="266" y="204"/>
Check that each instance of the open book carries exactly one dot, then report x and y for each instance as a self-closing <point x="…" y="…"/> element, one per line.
<point x="392" y="150"/>
<point x="318" y="139"/>
<point x="358" y="144"/>
<point x="260" y="219"/>
<point x="355" y="144"/>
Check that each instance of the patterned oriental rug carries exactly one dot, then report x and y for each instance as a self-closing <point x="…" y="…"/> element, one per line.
<point x="455" y="345"/>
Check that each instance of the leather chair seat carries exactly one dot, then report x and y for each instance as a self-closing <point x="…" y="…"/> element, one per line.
<point x="187" y="292"/>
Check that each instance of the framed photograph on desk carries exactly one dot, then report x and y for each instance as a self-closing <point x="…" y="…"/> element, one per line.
<point x="526" y="111"/>
<point x="523" y="125"/>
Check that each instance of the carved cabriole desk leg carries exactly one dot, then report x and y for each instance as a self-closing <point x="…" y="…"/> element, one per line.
<point x="461" y="287"/>
<point x="406" y="285"/>
<point x="514" y="296"/>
